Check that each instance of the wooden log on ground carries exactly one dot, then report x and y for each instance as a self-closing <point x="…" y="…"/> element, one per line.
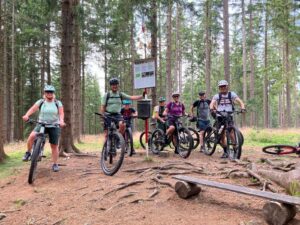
<point x="276" y="213"/>
<point x="186" y="190"/>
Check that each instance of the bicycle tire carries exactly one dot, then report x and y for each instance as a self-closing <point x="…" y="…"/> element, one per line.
<point x="129" y="142"/>
<point x="209" y="141"/>
<point x="142" y="139"/>
<point x="241" y="136"/>
<point x="111" y="171"/>
<point x="234" y="147"/>
<point x="196" y="137"/>
<point x="279" y="149"/>
<point x="185" y="142"/>
<point x="157" y="141"/>
<point x="34" y="160"/>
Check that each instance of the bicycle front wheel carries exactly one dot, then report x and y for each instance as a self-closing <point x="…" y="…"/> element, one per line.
<point x="143" y="139"/>
<point x="279" y="149"/>
<point x="234" y="146"/>
<point x="157" y="141"/>
<point x="210" y="141"/>
<point x="34" y="160"/>
<point x="113" y="154"/>
<point x="185" y="142"/>
<point x="196" y="137"/>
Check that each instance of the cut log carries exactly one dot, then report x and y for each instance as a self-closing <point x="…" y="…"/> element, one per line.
<point x="186" y="190"/>
<point x="276" y="213"/>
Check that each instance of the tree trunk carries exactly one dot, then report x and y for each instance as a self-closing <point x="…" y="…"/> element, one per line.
<point x="82" y="80"/>
<point x="5" y="79"/>
<point x="66" y="141"/>
<point x="2" y="153"/>
<point x="43" y="66"/>
<point x="288" y="85"/>
<point x="48" y="50"/>
<point x="186" y="190"/>
<point x="226" y="41"/>
<point x="132" y="53"/>
<point x="77" y="78"/>
<point x="252" y="81"/>
<point x="161" y="93"/>
<point x="153" y="22"/>
<point x="169" y="52"/>
<point x="266" y="78"/>
<point x="12" y="80"/>
<point x="208" y="47"/>
<point x="244" y="61"/>
<point x="278" y="213"/>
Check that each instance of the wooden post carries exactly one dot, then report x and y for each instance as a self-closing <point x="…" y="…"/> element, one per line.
<point x="278" y="213"/>
<point x="186" y="190"/>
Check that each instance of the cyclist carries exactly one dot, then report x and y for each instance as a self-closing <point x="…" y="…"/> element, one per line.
<point x="158" y="114"/>
<point x="128" y="112"/>
<point x="224" y="102"/>
<point x="50" y="111"/>
<point x="112" y="103"/>
<point x="202" y="105"/>
<point x="173" y="108"/>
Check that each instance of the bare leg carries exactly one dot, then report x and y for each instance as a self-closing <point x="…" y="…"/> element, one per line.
<point x="122" y="127"/>
<point x="30" y="140"/>
<point x="55" y="153"/>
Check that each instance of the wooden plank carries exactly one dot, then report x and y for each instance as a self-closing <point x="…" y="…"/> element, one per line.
<point x="240" y="189"/>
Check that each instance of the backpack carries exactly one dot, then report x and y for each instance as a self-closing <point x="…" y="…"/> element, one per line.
<point x="43" y="100"/>
<point x="198" y="106"/>
<point x="229" y="98"/>
<point x="108" y="97"/>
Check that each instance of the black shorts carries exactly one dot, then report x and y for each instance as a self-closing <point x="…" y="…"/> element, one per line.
<point x="53" y="132"/>
<point x="117" y="117"/>
<point x="230" y="121"/>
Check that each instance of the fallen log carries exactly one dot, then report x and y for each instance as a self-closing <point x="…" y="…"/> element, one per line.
<point x="185" y="190"/>
<point x="278" y="213"/>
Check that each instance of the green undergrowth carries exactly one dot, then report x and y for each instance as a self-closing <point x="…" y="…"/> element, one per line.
<point x="260" y="138"/>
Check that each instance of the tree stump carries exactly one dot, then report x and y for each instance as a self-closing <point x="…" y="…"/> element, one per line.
<point x="276" y="213"/>
<point x="186" y="190"/>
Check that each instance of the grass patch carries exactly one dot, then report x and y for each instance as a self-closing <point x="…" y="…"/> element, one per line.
<point x="264" y="137"/>
<point x="148" y="159"/>
<point x="11" y="164"/>
<point x="294" y="188"/>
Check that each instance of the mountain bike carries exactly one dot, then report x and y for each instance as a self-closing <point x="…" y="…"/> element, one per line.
<point x="182" y="135"/>
<point x="38" y="148"/>
<point x="143" y="135"/>
<point x="113" y="151"/>
<point x="281" y="149"/>
<point x="213" y="135"/>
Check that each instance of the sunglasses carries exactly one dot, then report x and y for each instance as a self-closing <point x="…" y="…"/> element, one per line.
<point x="176" y="96"/>
<point x="222" y="86"/>
<point x="49" y="92"/>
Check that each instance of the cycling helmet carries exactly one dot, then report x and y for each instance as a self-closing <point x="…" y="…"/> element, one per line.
<point x="175" y="94"/>
<point x="126" y="102"/>
<point x="113" y="81"/>
<point x="222" y="83"/>
<point x="49" y="88"/>
<point x="162" y="99"/>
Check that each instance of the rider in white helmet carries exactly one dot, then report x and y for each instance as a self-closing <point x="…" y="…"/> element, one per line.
<point x="224" y="101"/>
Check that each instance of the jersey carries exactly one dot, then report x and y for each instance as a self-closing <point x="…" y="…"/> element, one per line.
<point x="202" y="109"/>
<point x="113" y="101"/>
<point x="48" y="111"/>
<point x="225" y="102"/>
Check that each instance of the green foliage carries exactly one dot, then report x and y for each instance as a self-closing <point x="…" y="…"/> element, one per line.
<point x="294" y="188"/>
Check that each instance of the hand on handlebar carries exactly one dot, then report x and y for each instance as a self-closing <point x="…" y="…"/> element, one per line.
<point x="25" y="118"/>
<point x="243" y="110"/>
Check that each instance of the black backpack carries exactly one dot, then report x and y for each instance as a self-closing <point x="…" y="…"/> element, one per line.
<point x="229" y="98"/>
<point x="43" y="101"/>
<point x="108" y="97"/>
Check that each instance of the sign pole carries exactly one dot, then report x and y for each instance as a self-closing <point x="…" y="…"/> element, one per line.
<point x="146" y="128"/>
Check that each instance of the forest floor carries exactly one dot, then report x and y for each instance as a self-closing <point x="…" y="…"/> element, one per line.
<point x="80" y="193"/>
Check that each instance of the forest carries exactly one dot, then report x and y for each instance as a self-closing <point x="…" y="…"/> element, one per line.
<point x="253" y="44"/>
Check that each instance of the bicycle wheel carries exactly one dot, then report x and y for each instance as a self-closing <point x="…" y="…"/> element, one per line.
<point x="34" y="160"/>
<point x="209" y="141"/>
<point x="196" y="137"/>
<point x="112" y="158"/>
<point x="241" y="136"/>
<point x="128" y="142"/>
<point x="143" y="139"/>
<point x="157" y="141"/>
<point x="234" y="147"/>
<point x="279" y="149"/>
<point x="185" y="142"/>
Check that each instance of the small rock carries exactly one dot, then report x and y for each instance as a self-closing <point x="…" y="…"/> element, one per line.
<point x="2" y="216"/>
<point x="254" y="222"/>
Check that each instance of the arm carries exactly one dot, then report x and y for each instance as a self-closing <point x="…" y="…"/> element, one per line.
<point x="61" y="117"/>
<point x="213" y="104"/>
<point x="136" y="97"/>
<point x="102" y="109"/>
<point x="241" y="103"/>
<point x="32" y="110"/>
<point x="165" y="113"/>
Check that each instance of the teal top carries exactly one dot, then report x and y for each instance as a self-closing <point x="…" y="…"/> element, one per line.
<point x="114" y="103"/>
<point x="49" y="111"/>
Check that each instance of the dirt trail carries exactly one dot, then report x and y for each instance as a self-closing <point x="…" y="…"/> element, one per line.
<point x="76" y="195"/>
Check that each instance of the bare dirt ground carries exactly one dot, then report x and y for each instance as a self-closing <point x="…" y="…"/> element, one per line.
<point x="78" y="194"/>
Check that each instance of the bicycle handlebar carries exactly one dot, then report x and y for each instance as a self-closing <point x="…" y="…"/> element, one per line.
<point x="42" y="123"/>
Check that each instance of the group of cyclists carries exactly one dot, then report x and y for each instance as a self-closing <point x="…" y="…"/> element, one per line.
<point x="118" y="105"/>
